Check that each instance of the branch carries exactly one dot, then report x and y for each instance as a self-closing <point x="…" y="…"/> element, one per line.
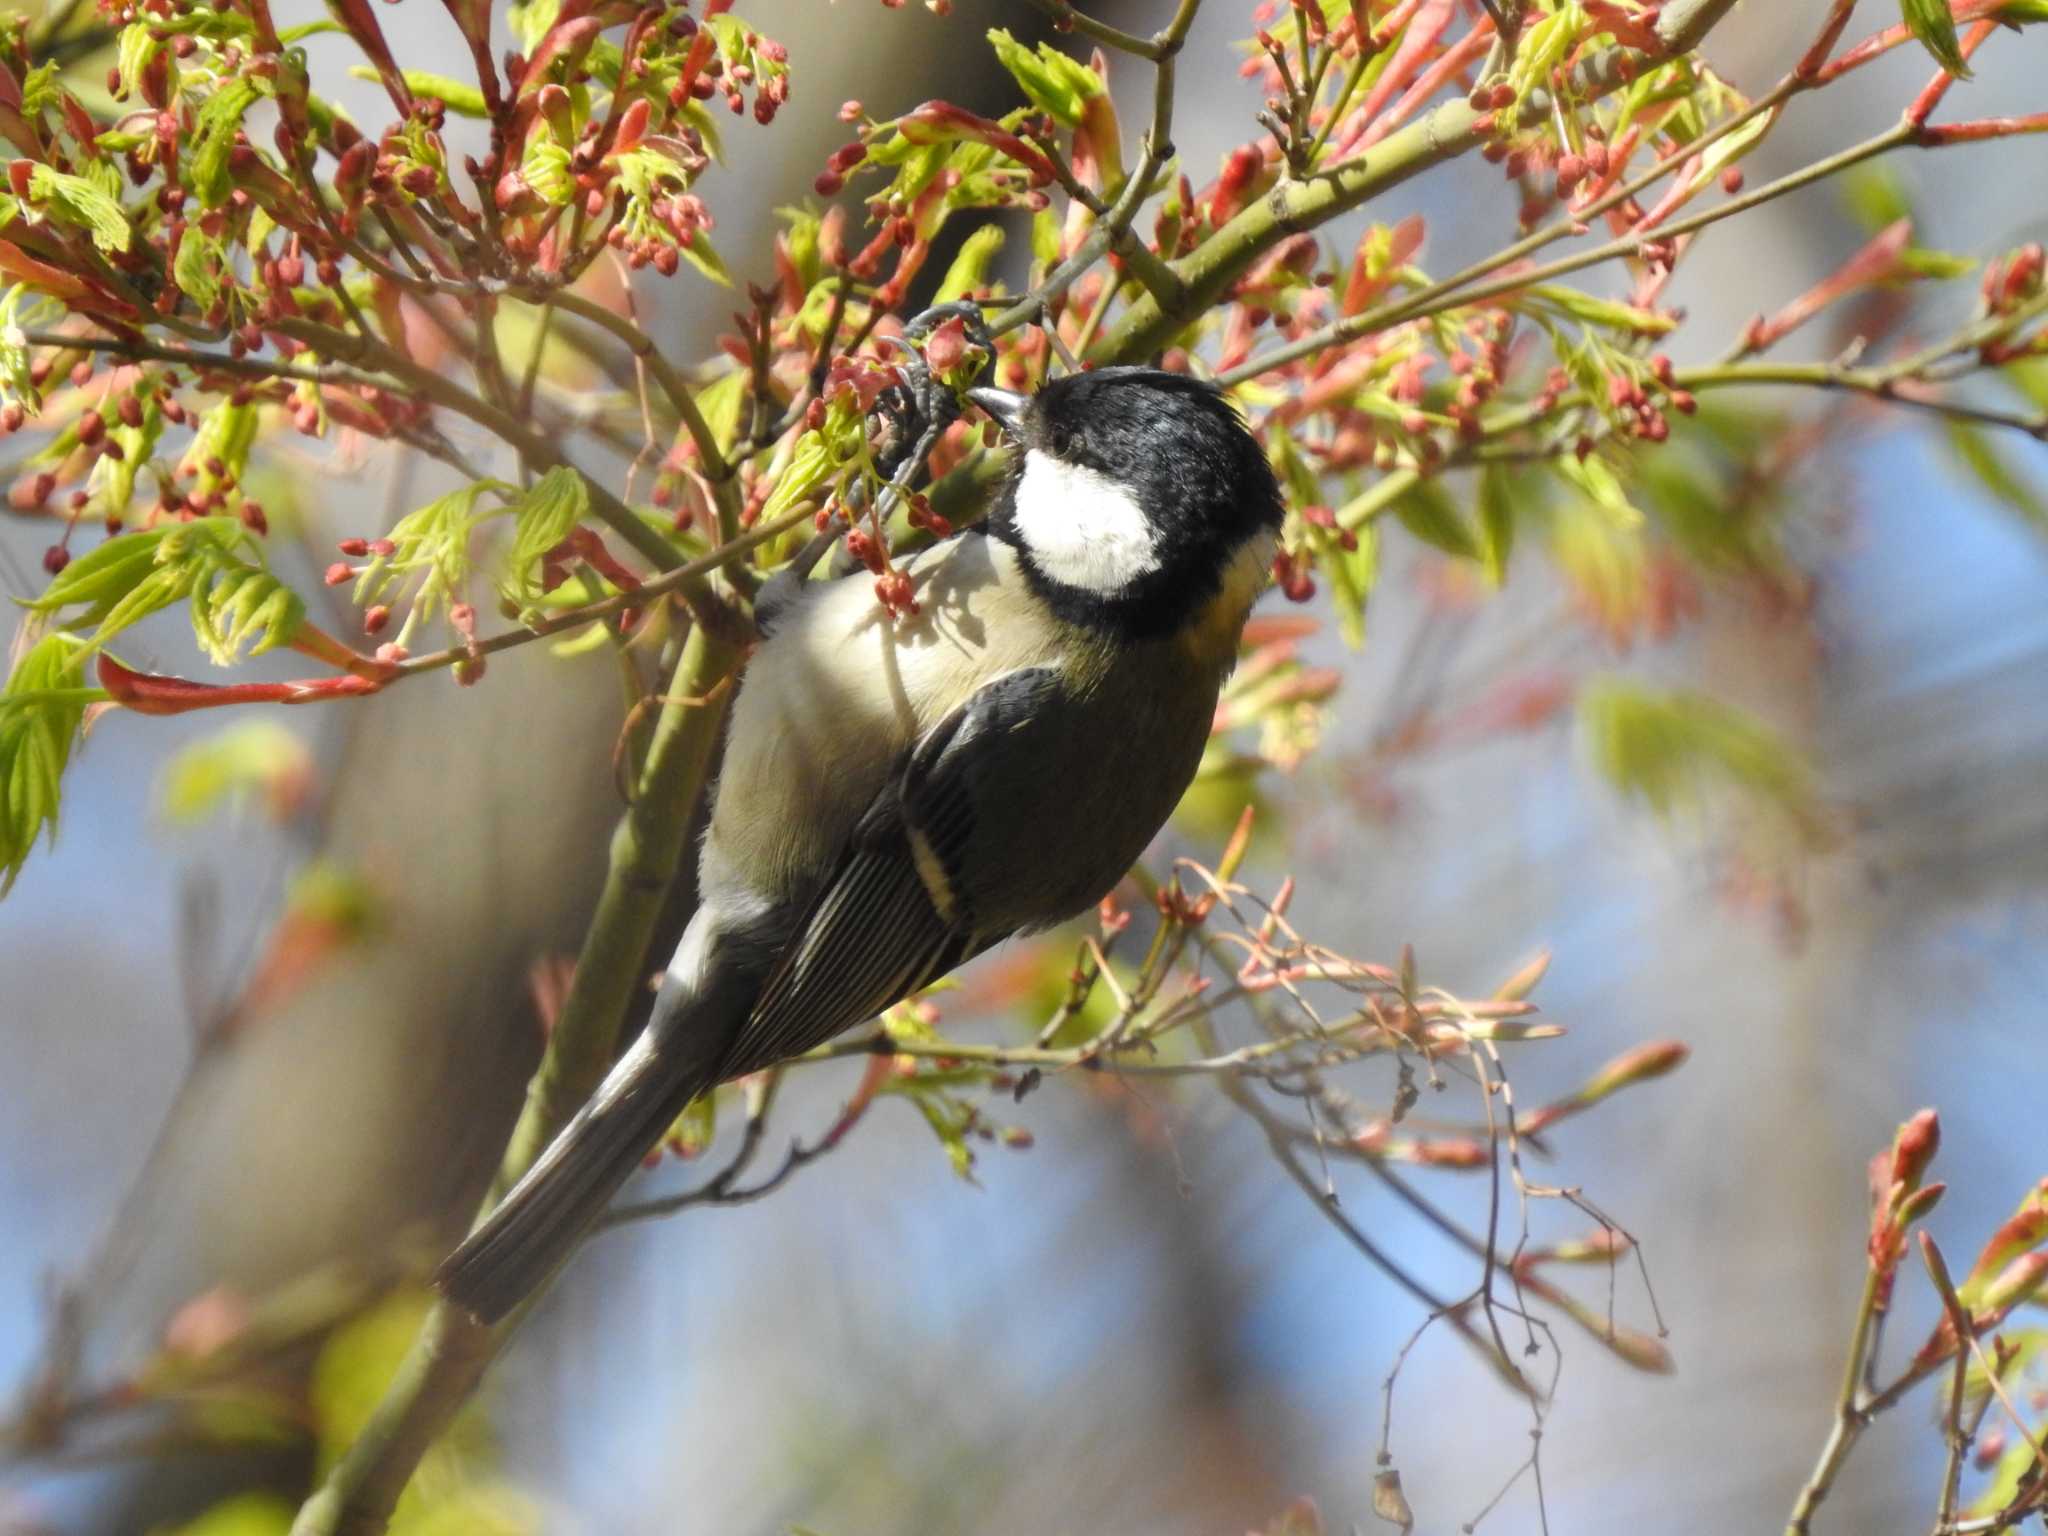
<point x="682" y="577"/>
<point x="672" y="383"/>
<point x="390" y="371"/>
<point x="1067" y="19"/>
<point x="1850" y="1416"/>
<point x="445" y="392"/>
<point x="1162" y="281"/>
<point x="452" y="1351"/>
<point x="1883" y="384"/>
<point x="1296" y="205"/>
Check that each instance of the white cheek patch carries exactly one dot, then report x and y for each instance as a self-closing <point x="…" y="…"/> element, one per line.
<point x="1082" y="528"/>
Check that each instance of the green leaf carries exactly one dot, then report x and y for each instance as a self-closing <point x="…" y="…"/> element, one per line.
<point x="1431" y="516"/>
<point x="950" y="1116"/>
<point x="1543" y="47"/>
<point x="236" y="603"/>
<point x="81" y="203"/>
<point x="102" y="576"/>
<point x="197" y="268"/>
<point x="1668" y="748"/>
<point x="1045" y="239"/>
<point x="355" y="1367"/>
<point x="545" y="168"/>
<point x="113" y="480"/>
<point x="800" y="236"/>
<point x="1054" y="83"/>
<point x="306" y="29"/>
<point x="2019" y="12"/>
<point x="810" y="465"/>
<point x="702" y="255"/>
<point x="1608" y="314"/>
<point x="243" y="607"/>
<point x="254" y="758"/>
<point x="213" y="139"/>
<point x="1496" y="522"/>
<point x="2028" y="376"/>
<point x="42" y="707"/>
<point x="431" y="547"/>
<point x="532" y="21"/>
<point x="139" y="44"/>
<point x="1353" y="574"/>
<point x="17" y="368"/>
<point x="1974" y="450"/>
<point x="542" y="517"/>
<point x="242" y="1514"/>
<point x="461" y="99"/>
<point x="1876" y="196"/>
<point x="721" y="402"/>
<point x="1935" y="25"/>
<point x="1935" y="266"/>
<point x="1596" y="478"/>
<point x="695" y="1127"/>
<point x="969" y="269"/>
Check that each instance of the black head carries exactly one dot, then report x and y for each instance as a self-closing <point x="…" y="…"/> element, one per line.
<point x="1135" y="494"/>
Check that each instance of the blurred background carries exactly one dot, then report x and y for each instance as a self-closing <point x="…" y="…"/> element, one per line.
<point x="1138" y="1326"/>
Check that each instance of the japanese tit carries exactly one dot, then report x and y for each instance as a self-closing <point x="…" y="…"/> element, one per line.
<point x="900" y="793"/>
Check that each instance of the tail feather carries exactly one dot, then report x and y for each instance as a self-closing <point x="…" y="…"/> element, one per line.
<point x="533" y="1230"/>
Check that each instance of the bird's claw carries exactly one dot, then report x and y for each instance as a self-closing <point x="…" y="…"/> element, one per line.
<point x="924" y="405"/>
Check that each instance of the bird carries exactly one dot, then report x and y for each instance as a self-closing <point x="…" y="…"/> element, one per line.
<point x="901" y="790"/>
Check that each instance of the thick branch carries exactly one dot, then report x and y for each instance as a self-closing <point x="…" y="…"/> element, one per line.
<point x="452" y="1351"/>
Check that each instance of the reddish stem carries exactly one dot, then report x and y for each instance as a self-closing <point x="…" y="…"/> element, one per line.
<point x="151" y="693"/>
<point x="1930" y="98"/>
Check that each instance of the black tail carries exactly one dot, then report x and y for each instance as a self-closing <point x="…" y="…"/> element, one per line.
<point x="533" y="1230"/>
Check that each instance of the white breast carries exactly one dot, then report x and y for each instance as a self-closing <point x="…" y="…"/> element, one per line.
<point x="830" y="702"/>
<point x="1082" y="528"/>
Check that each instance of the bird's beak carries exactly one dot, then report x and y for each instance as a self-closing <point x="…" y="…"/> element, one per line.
<point x="1006" y="407"/>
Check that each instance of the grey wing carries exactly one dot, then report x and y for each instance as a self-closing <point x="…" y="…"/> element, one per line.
<point x="892" y="917"/>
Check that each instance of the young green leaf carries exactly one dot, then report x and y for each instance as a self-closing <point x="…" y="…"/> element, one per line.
<point x="1668" y="748"/>
<point x="42" y="706"/>
<point x="1935" y="25"/>
<point x="1496" y="522"/>
<point x="77" y="200"/>
<point x="253" y="759"/>
<point x="461" y="99"/>
<point x="236" y="603"/>
<point x="969" y="270"/>
<point x="542" y="517"/>
<point x="810" y="465"/>
<point x="1431" y="516"/>
<point x="2011" y="490"/>
<point x="213" y="138"/>
<point x="1054" y="83"/>
<point x="237" y="607"/>
<point x="1353" y="573"/>
<point x="429" y="552"/>
<point x="197" y="268"/>
<point x="701" y="254"/>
